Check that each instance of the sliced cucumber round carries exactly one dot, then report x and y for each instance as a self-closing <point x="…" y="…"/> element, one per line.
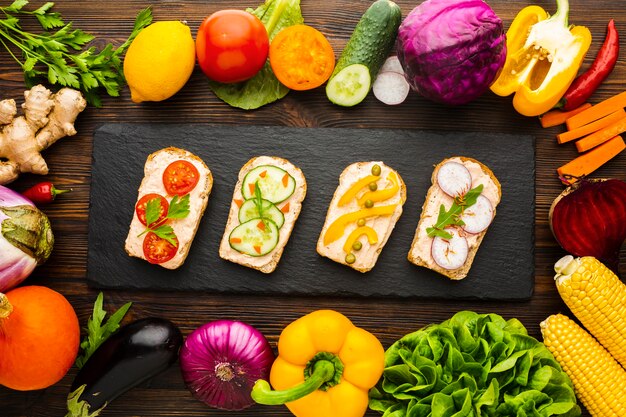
<point x="350" y="86"/>
<point x="249" y="210"/>
<point x="256" y="237"/>
<point x="275" y="183"/>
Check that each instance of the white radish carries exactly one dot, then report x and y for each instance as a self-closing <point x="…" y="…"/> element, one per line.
<point x="450" y="253"/>
<point x="478" y="216"/>
<point x="391" y="88"/>
<point x="392" y="64"/>
<point x="454" y="179"/>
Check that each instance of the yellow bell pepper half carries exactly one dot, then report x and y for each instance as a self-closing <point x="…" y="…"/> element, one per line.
<point x="325" y="367"/>
<point x="543" y="58"/>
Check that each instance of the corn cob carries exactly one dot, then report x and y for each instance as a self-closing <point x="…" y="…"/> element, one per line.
<point x="597" y="298"/>
<point x="599" y="381"/>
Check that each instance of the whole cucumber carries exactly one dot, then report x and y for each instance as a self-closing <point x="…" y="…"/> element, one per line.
<point x="135" y="353"/>
<point x="373" y="38"/>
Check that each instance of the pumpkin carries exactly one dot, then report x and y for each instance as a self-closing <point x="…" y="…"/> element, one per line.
<point x="39" y="338"/>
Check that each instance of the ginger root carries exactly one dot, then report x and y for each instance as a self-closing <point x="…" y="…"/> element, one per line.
<point x="47" y="118"/>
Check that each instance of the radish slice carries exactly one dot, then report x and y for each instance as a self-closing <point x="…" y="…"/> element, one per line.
<point x="392" y="64"/>
<point x="451" y="253"/>
<point x="391" y="88"/>
<point x="478" y="216"/>
<point x="454" y="179"/>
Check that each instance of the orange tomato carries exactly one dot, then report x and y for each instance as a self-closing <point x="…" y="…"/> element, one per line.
<point x="301" y="57"/>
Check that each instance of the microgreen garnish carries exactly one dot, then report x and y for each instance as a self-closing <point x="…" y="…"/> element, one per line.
<point x="179" y="209"/>
<point x="58" y="54"/>
<point x="452" y="217"/>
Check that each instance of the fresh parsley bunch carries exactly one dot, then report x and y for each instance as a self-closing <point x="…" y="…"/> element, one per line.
<point x="58" y="54"/>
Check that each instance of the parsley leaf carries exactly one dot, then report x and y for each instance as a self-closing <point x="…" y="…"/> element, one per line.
<point x="166" y="232"/>
<point x="153" y="210"/>
<point x="59" y="56"/>
<point x="179" y="207"/>
<point x="97" y="332"/>
<point x="452" y="217"/>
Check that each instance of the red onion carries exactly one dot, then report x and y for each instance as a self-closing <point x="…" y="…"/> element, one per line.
<point x="222" y="360"/>
<point x="589" y="219"/>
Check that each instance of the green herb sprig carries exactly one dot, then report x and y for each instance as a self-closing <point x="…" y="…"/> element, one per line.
<point x="97" y="332"/>
<point x="179" y="209"/>
<point x="452" y="217"/>
<point x="58" y="55"/>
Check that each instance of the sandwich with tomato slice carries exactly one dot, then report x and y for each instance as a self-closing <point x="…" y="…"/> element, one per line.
<point x="171" y="200"/>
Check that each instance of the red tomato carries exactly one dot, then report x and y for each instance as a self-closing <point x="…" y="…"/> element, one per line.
<point x="180" y="177"/>
<point x="157" y="250"/>
<point x="140" y="209"/>
<point x="231" y="46"/>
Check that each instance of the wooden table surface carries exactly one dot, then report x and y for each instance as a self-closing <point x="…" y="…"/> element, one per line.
<point x="388" y="319"/>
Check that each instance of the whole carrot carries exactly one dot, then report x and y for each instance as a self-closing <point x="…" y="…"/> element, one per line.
<point x="584" y="85"/>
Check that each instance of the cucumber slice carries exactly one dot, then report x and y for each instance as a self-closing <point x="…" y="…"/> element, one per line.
<point x="275" y="183"/>
<point x="350" y="86"/>
<point x="256" y="237"/>
<point x="250" y="211"/>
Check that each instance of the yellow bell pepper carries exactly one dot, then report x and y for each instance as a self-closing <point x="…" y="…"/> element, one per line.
<point x="543" y="58"/>
<point x="372" y="237"/>
<point x="325" y="367"/>
<point x="382" y="195"/>
<point x="338" y="227"/>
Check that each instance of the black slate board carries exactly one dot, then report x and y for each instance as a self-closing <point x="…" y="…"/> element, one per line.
<point x="503" y="268"/>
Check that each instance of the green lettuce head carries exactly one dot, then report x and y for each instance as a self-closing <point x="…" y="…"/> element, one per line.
<point x="472" y="365"/>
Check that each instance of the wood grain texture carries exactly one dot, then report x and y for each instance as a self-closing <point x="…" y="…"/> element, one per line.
<point x="389" y="319"/>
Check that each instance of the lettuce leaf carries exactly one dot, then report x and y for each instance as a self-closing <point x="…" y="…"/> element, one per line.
<point x="264" y="87"/>
<point x="472" y="365"/>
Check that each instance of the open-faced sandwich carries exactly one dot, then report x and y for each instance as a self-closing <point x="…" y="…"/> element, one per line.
<point x="362" y="214"/>
<point x="265" y="206"/>
<point x="171" y="201"/>
<point x="459" y="207"/>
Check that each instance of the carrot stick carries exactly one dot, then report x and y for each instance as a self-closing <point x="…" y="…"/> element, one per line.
<point x="601" y="109"/>
<point x="591" y="127"/>
<point x="558" y="117"/>
<point x="602" y="135"/>
<point x="588" y="162"/>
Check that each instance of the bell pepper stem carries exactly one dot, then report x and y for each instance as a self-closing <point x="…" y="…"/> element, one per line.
<point x="262" y="393"/>
<point x="562" y="12"/>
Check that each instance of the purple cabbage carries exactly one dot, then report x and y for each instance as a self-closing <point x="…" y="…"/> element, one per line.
<point x="451" y="50"/>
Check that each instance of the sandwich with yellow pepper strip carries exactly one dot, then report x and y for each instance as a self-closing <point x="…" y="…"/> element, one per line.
<point x="362" y="214"/>
<point x="325" y="367"/>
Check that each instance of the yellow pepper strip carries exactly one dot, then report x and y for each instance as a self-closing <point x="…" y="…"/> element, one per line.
<point x="372" y="237"/>
<point x="325" y="367"/>
<point x="382" y="195"/>
<point x="338" y="227"/>
<point x="543" y="58"/>
<point x="356" y="187"/>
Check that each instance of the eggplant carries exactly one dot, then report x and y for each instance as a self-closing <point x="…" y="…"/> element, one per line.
<point x="134" y="354"/>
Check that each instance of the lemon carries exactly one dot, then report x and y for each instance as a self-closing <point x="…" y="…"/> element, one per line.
<point x="159" y="61"/>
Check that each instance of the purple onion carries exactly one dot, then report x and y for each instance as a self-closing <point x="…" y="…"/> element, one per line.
<point x="222" y="360"/>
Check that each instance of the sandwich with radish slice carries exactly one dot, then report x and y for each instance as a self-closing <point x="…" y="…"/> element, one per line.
<point x="460" y="205"/>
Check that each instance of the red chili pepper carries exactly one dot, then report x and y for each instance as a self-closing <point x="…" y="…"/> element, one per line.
<point x="584" y="85"/>
<point x="43" y="193"/>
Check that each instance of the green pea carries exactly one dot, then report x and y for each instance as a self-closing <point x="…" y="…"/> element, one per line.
<point x="350" y="258"/>
<point x="357" y="245"/>
<point x="369" y="204"/>
<point x="373" y="186"/>
<point x="360" y="222"/>
<point x="376" y="170"/>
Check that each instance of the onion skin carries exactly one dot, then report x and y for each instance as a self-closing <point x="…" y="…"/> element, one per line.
<point x="589" y="219"/>
<point x="221" y="360"/>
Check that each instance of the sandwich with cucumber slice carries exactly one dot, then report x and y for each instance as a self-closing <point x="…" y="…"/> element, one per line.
<point x="364" y="54"/>
<point x="266" y="204"/>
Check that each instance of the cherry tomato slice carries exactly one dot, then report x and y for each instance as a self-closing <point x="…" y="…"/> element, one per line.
<point x="301" y="57"/>
<point x="157" y="250"/>
<point x="142" y="204"/>
<point x="231" y="46"/>
<point x="180" y="177"/>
